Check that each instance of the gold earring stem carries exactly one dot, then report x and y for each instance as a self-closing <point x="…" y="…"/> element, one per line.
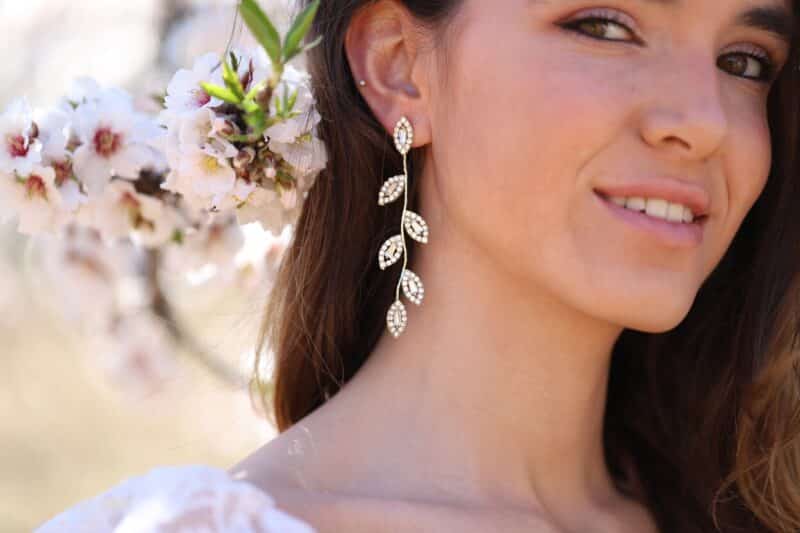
<point x="403" y="229"/>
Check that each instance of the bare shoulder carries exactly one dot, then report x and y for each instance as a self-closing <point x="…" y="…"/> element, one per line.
<point x="281" y="468"/>
<point x="274" y="469"/>
<point x="329" y="512"/>
<point x="332" y="512"/>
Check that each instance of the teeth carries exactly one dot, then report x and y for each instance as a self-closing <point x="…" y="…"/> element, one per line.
<point x="656" y="208"/>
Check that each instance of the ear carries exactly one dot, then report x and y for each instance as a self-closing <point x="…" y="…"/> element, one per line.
<point x="383" y="46"/>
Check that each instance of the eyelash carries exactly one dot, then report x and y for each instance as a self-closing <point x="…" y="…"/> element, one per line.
<point x="611" y="17"/>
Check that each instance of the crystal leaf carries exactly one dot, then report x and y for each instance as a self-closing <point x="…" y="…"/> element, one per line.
<point x="416" y="227"/>
<point x="390" y="252"/>
<point x="392" y="189"/>
<point x="396" y="318"/>
<point x="403" y="135"/>
<point x="412" y="287"/>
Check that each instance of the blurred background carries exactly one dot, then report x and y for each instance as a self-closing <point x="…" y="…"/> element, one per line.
<point x="79" y="413"/>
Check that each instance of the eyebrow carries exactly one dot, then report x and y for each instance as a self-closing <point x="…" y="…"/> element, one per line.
<point x="777" y="20"/>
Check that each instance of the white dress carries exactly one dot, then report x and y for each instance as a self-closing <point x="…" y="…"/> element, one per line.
<point x="177" y="499"/>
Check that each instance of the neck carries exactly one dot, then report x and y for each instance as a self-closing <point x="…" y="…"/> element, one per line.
<point x="495" y="392"/>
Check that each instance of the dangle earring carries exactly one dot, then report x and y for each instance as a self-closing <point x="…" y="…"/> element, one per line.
<point x="395" y="246"/>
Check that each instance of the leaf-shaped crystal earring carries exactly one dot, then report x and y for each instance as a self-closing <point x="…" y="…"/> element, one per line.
<point x="395" y="246"/>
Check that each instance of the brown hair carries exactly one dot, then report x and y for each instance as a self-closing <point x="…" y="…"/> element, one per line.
<point x="702" y="422"/>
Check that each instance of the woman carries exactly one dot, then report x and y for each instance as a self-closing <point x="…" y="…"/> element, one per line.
<point x="606" y="341"/>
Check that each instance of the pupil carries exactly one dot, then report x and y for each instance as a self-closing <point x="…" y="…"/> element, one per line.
<point x="738" y="63"/>
<point x="596" y="25"/>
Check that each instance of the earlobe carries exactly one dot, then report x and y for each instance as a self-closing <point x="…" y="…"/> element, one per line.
<point x="381" y="45"/>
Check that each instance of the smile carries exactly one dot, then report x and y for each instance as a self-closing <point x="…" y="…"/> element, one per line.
<point x="675" y="234"/>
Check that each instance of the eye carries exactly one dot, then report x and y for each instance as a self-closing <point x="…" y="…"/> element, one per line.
<point x="600" y="26"/>
<point x="597" y="25"/>
<point x="752" y="66"/>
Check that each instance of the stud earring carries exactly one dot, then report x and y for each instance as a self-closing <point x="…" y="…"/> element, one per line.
<point x="394" y="247"/>
<point x="362" y="82"/>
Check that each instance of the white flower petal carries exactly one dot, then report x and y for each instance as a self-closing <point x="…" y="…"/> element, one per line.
<point x="93" y="171"/>
<point x="130" y="160"/>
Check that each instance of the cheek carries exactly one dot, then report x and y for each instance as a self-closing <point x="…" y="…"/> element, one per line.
<point x="745" y="172"/>
<point x="749" y="162"/>
<point x="512" y="141"/>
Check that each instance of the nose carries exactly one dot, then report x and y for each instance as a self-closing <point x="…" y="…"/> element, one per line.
<point x="685" y="114"/>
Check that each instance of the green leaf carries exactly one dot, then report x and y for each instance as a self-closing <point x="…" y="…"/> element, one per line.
<point x="299" y="29"/>
<point x="222" y="93"/>
<point x="243" y="138"/>
<point x="285" y="98"/>
<point x="249" y="106"/>
<point x="262" y="29"/>
<point x="232" y="81"/>
<point x="257" y="121"/>
<point x="292" y="100"/>
<point x="255" y="90"/>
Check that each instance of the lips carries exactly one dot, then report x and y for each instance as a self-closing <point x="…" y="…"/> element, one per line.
<point x="656" y="230"/>
<point x="673" y="190"/>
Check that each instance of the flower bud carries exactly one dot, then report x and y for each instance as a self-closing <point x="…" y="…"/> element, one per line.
<point x="242" y="159"/>
<point x="263" y="97"/>
<point x="226" y="127"/>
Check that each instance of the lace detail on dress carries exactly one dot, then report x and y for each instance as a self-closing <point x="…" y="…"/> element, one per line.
<point x="177" y="499"/>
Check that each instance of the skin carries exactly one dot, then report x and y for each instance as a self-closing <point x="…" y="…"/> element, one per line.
<point x="488" y="409"/>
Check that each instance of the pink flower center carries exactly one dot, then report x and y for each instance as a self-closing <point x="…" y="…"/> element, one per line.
<point x="106" y="142"/>
<point x="132" y="204"/>
<point x="129" y="201"/>
<point x="17" y="145"/>
<point x="35" y="187"/>
<point x="201" y="97"/>
<point x="63" y="171"/>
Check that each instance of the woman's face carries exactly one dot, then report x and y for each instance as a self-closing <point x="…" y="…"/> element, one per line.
<point x="535" y="118"/>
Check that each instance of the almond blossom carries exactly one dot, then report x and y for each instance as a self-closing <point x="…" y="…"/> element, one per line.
<point x="307" y="155"/>
<point x="54" y="133"/>
<point x="113" y="142"/>
<point x="93" y="270"/>
<point x="307" y="116"/>
<point x="85" y="90"/>
<point x="209" y="171"/>
<point x="264" y="206"/>
<point x="260" y="256"/>
<point x="216" y="242"/>
<point x="205" y="186"/>
<point x="137" y="353"/>
<point x="294" y="139"/>
<point x="121" y="212"/>
<point x="20" y="149"/>
<point x="184" y="93"/>
<point x="34" y="199"/>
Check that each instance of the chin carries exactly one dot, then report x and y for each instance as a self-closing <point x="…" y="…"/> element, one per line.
<point x="659" y="317"/>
